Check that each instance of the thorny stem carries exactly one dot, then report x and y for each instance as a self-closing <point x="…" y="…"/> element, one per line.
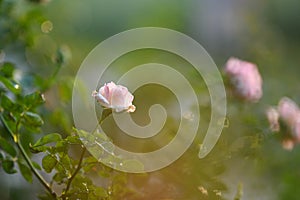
<point x="74" y="173"/>
<point x="16" y="139"/>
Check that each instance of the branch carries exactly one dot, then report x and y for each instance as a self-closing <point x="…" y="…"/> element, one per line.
<point x="105" y="114"/>
<point x="74" y="173"/>
<point x="26" y="157"/>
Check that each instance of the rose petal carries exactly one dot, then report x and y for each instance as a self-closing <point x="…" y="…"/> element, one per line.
<point x="101" y="99"/>
<point x="116" y="97"/>
<point x="107" y="90"/>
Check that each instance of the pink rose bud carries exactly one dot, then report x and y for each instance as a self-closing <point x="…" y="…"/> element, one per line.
<point x="116" y="97"/>
<point x="273" y="118"/>
<point x="246" y="79"/>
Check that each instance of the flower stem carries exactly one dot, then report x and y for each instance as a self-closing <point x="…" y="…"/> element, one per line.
<point x="26" y="157"/>
<point x="74" y="173"/>
<point x="105" y="114"/>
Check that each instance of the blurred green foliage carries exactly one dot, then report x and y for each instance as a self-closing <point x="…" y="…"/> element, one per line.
<point x="248" y="161"/>
<point x="23" y="112"/>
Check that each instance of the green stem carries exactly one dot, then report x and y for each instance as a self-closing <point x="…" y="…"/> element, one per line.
<point x="105" y="114"/>
<point x="26" y="157"/>
<point x="74" y="173"/>
<point x="36" y="173"/>
<point x="51" y="79"/>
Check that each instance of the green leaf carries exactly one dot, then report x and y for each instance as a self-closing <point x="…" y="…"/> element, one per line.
<point x="7" y="147"/>
<point x="89" y="163"/>
<point x="132" y="165"/>
<point x="10" y="85"/>
<point x="81" y="183"/>
<point x="33" y="119"/>
<point x="60" y="168"/>
<point x="38" y="149"/>
<point x="53" y="137"/>
<point x="34" y="99"/>
<point x="90" y="159"/>
<point x="36" y="165"/>
<point x="26" y="172"/>
<point x="59" y="177"/>
<point x="49" y="163"/>
<point x="61" y="147"/>
<point x="7" y="69"/>
<point x="73" y="139"/>
<point x="8" y="166"/>
<point x="81" y="133"/>
<point x="88" y="166"/>
<point x="7" y="103"/>
<point x="100" y="192"/>
<point x="66" y="162"/>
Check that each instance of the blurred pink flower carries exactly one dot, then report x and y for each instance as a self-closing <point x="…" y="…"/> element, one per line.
<point x="289" y="113"/>
<point x="288" y="144"/>
<point x="116" y="97"/>
<point x="296" y="128"/>
<point x="273" y="118"/>
<point x="288" y="110"/>
<point x="246" y="79"/>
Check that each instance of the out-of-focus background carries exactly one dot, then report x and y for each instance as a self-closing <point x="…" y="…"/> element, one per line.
<point x="248" y="158"/>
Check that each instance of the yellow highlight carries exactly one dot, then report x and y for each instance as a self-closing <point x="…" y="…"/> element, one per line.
<point x="47" y="26"/>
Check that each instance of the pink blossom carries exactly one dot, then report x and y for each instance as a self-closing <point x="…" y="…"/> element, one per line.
<point x="273" y="118"/>
<point x="116" y="97"/>
<point x="289" y="113"/>
<point x="246" y="79"/>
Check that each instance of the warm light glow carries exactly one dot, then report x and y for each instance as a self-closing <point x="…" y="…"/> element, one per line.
<point x="47" y="26"/>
